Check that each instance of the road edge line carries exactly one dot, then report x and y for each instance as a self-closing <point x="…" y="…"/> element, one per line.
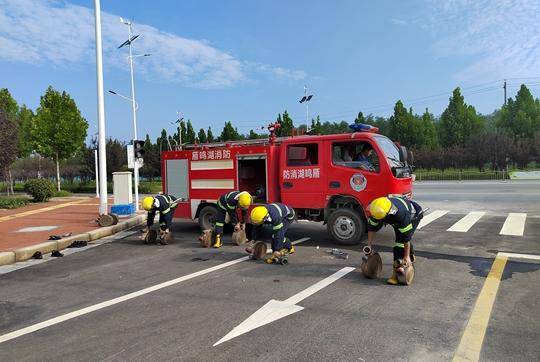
<point x="470" y="345"/>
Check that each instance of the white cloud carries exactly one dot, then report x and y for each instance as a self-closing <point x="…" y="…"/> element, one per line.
<point x="51" y="31"/>
<point x="397" y="21"/>
<point x="502" y="36"/>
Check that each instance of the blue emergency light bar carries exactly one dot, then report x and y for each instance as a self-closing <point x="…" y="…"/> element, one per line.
<point x="361" y="127"/>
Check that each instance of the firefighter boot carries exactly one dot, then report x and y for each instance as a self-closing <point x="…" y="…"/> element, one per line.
<point x="217" y="244"/>
<point x="393" y="279"/>
<point x="274" y="258"/>
<point x="286" y="251"/>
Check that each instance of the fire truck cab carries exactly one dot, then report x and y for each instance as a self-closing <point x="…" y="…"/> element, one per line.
<point x="328" y="178"/>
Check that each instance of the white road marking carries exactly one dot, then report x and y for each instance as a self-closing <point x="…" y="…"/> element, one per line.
<point x="520" y="256"/>
<point x="62" y="318"/>
<point x="34" y="229"/>
<point x="276" y="309"/>
<point x="432" y="216"/>
<point x="466" y="222"/>
<point x="514" y="224"/>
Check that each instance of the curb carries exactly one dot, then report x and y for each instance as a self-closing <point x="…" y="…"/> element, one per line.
<point x="22" y="254"/>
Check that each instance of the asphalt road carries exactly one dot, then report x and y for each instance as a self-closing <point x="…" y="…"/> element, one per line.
<point x="211" y="292"/>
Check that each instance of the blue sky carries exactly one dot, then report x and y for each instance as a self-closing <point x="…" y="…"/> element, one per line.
<point x="245" y="61"/>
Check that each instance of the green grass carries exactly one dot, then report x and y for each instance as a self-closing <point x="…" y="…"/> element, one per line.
<point x="459" y="175"/>
<point x="62" y="193"/>
<point x="13" y="202"/>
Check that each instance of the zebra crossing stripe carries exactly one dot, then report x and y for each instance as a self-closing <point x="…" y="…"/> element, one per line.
<point x="466" y="222"/>
<point x="432" y="216"/>
<point x="514" y="224"/>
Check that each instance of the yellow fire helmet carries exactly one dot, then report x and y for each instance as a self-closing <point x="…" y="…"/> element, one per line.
<point x="258" y="214"/>
<point x="147" y="203"/>
<point x="380" y="207"/>
<point x="244" y="199"/>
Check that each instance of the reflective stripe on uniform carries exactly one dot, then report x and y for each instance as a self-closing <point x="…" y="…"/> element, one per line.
<point x="166" y="211"/>
<point x="399" y="245"/>
<point x="373" y="223"/>
<point x="278" y="209"/>
<point x="278" y="226"/>
<point x="227" y="198"/>
<point x="219" y="224"/>
<point x="405" y="229"/>
<point x="220" y="205"/>
<point x="403" y="202"/>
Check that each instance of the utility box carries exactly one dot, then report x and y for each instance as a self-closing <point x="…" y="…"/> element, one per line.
<point x="122" y="186"/>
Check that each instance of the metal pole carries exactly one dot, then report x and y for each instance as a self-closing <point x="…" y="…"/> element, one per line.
<point x="97" y="172"/>
<point x="307" y="117"/>
<point x="136" y="168"/>
<point x="103" y="208"/>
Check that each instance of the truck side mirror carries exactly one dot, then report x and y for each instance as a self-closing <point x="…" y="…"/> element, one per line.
<point x="403" y="154"/>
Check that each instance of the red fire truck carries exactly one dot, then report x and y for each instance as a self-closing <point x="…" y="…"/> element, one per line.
<point x="328" y="178"/>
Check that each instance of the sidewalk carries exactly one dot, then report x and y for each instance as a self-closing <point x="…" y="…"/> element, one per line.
<point x="34" y="223"/>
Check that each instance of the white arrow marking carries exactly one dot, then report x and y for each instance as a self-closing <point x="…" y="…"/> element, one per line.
<point x="276" y="309"/>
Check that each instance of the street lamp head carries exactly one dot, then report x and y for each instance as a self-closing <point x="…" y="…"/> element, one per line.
<point x="126" y="22"/>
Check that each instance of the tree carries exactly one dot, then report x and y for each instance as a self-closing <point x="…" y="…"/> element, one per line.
<point x="25" y="118"/>
<point x="162" y="141"/>
<point x="229" y="133"/>
<point x="521" y="116"/>
<point x="316" y="126"/>
<point x="459" y="122"/>
<point x="116" y="156"/>
<point x="190" y="134"/>
<point x="152" y="160"/>
<point x="404" y="126"/>
<point x="360" y="118"/>
<point x="59" y="130"/>
<point x="287" y="125"/>
<point x="8" y="140"/>
<point x="8" y="104"/>
<point x="210" y="135"/>
<point x="10" y="109"/>
<point x="428" y="134"/>
<point x="202" y="136"/>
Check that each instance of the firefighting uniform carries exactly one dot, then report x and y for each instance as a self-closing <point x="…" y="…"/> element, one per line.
<point x="404" y="216"/>
<point x="165" y="212"/>
<point x="280" y="216"/>
<point x="227" y="204"/>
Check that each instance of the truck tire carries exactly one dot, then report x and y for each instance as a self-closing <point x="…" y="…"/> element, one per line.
<point x="206" y="217"/>
<point x="346" y="226"/>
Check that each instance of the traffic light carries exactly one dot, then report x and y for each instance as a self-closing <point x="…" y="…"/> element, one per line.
<point x="138" y="148"/>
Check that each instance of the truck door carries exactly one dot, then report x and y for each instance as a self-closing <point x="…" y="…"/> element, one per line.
<point x="354" y="169"/>
<point x="302" y="179"/>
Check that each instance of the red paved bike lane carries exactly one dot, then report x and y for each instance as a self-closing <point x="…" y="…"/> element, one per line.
<point x="67" y="215"/>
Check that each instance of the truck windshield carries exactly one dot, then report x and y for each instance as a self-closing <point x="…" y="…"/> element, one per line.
<point x="390" y="150"/>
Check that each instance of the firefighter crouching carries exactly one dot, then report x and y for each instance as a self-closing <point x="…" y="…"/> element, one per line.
<point x="280" y="216"/>
<point x="228" y="204"/>
<point x="404" y="216"/>
<point x="165" y="205"/>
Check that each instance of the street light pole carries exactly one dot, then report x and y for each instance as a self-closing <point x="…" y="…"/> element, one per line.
<point x="134" y="106"/>
<point x="97" y="172"/>
<point x="103" y="208"/>
<point x="305" y="99"/>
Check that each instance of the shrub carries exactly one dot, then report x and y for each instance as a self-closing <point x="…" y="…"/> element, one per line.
<point x="41" y="189"/>
<point x="13" y="202"/>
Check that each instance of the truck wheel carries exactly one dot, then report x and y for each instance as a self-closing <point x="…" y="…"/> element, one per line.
<point x="206" y="217"/>
<point x="346" y="227"/>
